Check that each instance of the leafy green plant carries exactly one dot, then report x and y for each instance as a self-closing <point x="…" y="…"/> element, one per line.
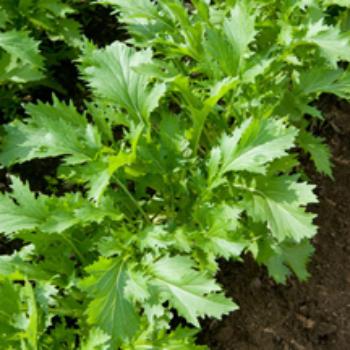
<point x="35" y="35"/>
<point x="21" y="60"/>
<point x="186" y="152"/>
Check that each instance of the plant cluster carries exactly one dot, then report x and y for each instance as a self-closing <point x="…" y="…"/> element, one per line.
<point x="187" y="152"/>
<point x="35" y="36"/>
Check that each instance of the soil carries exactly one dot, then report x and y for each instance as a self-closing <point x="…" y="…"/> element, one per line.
<point x="300" y="316"/>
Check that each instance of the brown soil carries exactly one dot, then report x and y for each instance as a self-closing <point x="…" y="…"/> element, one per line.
<point x="300" y="316"/>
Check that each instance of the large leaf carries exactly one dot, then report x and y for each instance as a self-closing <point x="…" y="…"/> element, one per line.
<point x="239" y="27"/>
<point x="250" y="148"/>
<point x="109" y="309"/>
<point x="51" y="131"/>
<point x="192" y="293"/>
<point x="112" y="76"/>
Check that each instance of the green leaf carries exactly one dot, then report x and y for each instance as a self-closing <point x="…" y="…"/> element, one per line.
<point x="320" y="80"/>
<point x="18" y="72"/>
<point x="288" y="257"/>
<point x="220" y="226"/>
<point x="51" y="131"/>
<point x="109" y="309"/>
<point x="280" y="202"/>
<point x="21" y="210"/>
<point x="334" y="45"/>
<point x="239" y="28"/>
<point x="178" y="339"/>
<point x="111" y="74"/>
<point x="133" y="10"/>
<point x="19" y="315"/>
<point x="57" y="8"/>
<point x="319" y="152"/>
<point x="219" y="90"/>
<point x="255" y="144"/>
<point x="97" y="340"/>
<point x="250" y="148"/>
<point x="218" y="48"/>
<point x="32" y="331"/>
<point x="22" y="46"/>
<point x="142" y="18"/>
<point x="9" y="309"/>
<point x="192" y="293"/>
<point x="18" y="266"/>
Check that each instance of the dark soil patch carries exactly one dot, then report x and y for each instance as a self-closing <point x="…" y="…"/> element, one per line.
<point x="300" y="316"/>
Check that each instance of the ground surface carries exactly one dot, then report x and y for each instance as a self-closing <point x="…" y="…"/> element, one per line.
<point x="312" y="315"/>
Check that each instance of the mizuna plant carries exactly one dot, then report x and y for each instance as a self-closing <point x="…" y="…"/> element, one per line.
<point x="34" y="35"/>
<point x="186" y="153"/>
<point x="23" y="24"/>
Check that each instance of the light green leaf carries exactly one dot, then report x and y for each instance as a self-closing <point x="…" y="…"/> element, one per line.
<point x="97" y="340"/>
<point x="178" y="339"/>
<point x="219" y="48"/>
<point x="226" y="248"/>
<point x="250" y="148"/>
<point x="334" y="45"/>
<point x="280" y="202"/>
<point x="22" y="46"/>
<point x="344" y="3"/>
<point x="219" y="225"/>
<point x="51" y="131"/>
<point x="111" y="74"/>
<point x="192" y="293"/>
<point x="240" y="27"/>
<point x="109" y="309"/>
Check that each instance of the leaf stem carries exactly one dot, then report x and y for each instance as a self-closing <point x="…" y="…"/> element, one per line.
<point x="74" y="248"/>
<point x="133" y="200"/>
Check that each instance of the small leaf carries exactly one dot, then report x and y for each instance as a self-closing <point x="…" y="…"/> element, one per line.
<point x="97" y="340"/>
<point x="319" y="152"/>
